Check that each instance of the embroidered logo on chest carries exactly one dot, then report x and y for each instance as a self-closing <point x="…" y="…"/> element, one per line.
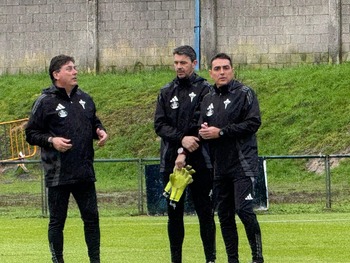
<point x="82" y="103"/>
<point x="61" y="111"/>
<point x="210" y="110"/>
<point x="192" y="95"/>
<point x="227" y="102"/>
<point x="174" y="103"/>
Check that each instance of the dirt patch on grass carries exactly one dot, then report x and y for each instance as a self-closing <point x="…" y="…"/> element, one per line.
<point x="296" y="197"/>
<point x="118" y="199"/>
<point x="318" y="165"/>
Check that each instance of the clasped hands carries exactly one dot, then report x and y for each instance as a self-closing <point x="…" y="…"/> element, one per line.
<point x="209" y="132"/>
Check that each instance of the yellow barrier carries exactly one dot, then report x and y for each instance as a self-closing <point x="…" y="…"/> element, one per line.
<point x="13" y="145"/>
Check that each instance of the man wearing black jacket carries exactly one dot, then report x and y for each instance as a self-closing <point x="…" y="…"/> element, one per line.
<point x="63" y="123"/>
<point x="230" y="118"/>
<point x="176" y="106"/>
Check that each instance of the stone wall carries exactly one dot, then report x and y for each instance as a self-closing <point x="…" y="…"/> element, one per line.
<point x="114" y="35"/>
<point x="274" y="32"/>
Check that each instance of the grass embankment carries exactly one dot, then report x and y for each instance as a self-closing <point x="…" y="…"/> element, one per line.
<point x="304" y="111"/>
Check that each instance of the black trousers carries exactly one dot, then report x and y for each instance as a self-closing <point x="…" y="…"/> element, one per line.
<point x="58" y="199"/>
<point x="201" y="189"/>
<point x="233" y="194"/>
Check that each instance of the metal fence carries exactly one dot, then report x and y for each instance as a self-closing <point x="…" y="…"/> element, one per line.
<point x="13" y="145"/>
<point x="122" y="191"/>
<point x="321" y="184"/>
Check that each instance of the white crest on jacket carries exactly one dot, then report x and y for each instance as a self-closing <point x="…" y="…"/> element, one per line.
<point x="210" y="110"/>
<point x="174" y="103"/>
<point x="192" y="95"/>
<point x="61" y="112"/>
<point x="227" y="102"/>
<point x="82" y="103"/>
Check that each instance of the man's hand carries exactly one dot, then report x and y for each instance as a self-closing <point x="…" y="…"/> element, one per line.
<point x="102" y="136"/>
<point x="180" y="161"/>
<point x="208" y="133"/>
<point x="190" y="143"/>
<point x="61" y="144"/>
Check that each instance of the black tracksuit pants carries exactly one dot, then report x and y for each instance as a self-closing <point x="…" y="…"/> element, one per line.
<point x="233" y="194"/>
<point x="58" y="199"/>
<point x="201" y="189"/>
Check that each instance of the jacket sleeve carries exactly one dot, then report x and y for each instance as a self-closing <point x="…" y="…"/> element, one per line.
<point x="96" y="122"/>
<point x="162" y="125"/>
<point x="36" y="131"/>
<point x="250" y="119"/>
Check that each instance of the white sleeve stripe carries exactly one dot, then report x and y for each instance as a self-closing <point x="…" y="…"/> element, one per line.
<point x="37" y="102"/>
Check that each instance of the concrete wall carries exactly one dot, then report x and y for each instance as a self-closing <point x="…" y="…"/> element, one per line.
<point x="113" y="35"/>
<point x="274" y="32"/>
<point x="142" y="33"/>
<point x="345" y="29"/>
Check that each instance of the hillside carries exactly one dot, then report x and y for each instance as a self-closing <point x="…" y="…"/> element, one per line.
<point x="304" y="109"/>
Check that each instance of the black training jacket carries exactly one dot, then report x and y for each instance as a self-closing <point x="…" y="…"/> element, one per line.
<point x="175" y="117"/>
<point x="56" y="114"/>
<point x="233" y="108"/>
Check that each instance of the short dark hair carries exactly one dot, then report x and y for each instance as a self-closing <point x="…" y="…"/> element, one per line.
<point x="221" y="56"/>
<point x="187" y="51"/>
<point x="57" y="62"/>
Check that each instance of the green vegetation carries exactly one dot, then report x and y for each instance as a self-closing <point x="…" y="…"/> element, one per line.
<point x="304" y="111"/>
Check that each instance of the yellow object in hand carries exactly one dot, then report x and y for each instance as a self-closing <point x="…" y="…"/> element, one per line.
<point x="179" y="179"/>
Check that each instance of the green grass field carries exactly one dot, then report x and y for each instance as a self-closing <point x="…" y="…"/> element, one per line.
<point x="298" y="238"/>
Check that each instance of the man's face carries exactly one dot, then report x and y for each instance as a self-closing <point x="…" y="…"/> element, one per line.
<point x="66" y="77"/>
<point x="221" y="72"/>
<point x="183" y="65"/>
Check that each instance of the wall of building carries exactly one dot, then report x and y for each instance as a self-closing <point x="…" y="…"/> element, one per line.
<point x="114" y="35"/>
<point x="274" y="32"/>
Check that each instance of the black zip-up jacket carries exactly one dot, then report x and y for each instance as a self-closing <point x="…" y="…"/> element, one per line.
<point x="174" y="118"/>
<point x="234" y="109"/>
<point x="55" y="114"/>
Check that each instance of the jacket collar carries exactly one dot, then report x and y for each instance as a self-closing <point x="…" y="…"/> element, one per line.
<point x="223" y="89"/>
<point x="186" y="82"/>
<point x="229" y="87"/>
<point x="62" y="92"/>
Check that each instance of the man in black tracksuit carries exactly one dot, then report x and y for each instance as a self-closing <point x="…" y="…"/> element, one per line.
<point x="229" y="119"/>
<point x="174" y="116"/>
<point x="63" y="123"/>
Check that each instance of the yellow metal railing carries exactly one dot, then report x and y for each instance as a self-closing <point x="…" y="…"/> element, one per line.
<point x="13" y="145"/>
